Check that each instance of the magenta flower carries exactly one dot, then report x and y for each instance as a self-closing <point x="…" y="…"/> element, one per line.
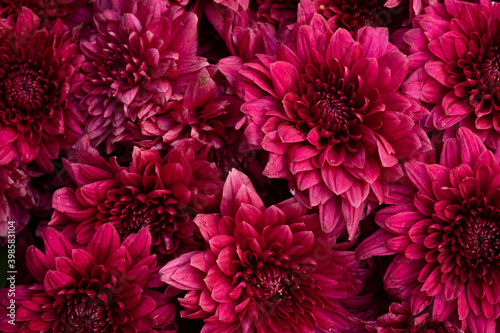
<point x="140" y="60"/>
<point x="330" y="116"/>
<point x="36" y="70"/>
<point x="266" y="269"/>
<point x="103" y="288"/>
<point x="162" y="194"/>
<point x="444" y="228"/>
<point x="455" y="63"/>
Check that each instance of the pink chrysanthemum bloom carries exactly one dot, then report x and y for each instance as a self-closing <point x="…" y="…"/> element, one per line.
<point x="103" y="288"/>
<point x="36" y="69"/>
<point x="400" y="319"/>
<point x="445" y="230"/>
<point x="455" y="61"/>
<point x="140" y="60"/>
<point x="162" y="194"/>
<point x="328" y="112"/>
<point x="266" y="269"/>
<point x="353" y="14"/>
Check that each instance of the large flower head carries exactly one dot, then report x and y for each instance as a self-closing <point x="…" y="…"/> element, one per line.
<point x="328" y="112"/>
<point x="36" y="69"/>
<point x="266" y="269"/>
<point x="162" y="194"/>
<point x="15" y="199"/>
<point x="100" y="288"/>
<point x="456" y="66"/>
<point x="139" y="61"/>
<point x="400" y="319"/>
<point x="445" y="229"/>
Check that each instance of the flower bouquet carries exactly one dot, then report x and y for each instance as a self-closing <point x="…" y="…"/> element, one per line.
<point x="250" y="166"/>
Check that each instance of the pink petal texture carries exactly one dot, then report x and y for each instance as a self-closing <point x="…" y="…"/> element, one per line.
<point x="443" y="52"/>
<point x="258" y="257"/>
<point x="38" y="63"/>
<point x="338" y="123"/>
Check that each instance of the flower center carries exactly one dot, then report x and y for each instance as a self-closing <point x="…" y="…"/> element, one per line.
<point x="335" y="113"/>
<point x="24" y="90"/>
<point x="89" y="315"/>
<point x="480" y="241"/>
<point x="115" y="65"/>
<point x="270" y="283"/>
<point x="476" y="241"/>
<point x="491" y="67"/>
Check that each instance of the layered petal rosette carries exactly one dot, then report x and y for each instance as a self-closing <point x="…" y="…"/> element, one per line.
<point x="454" y="56"/>
<point x="162" y="194"/>
<point x="100" y="288"/>
<point x="445" y="231"/>
<point x="36" y="69"/>
<point x="328" y="112"/>
<point x="140" y="60"/>
<point x="354" y="14"/>
<point x="265" y="270"/>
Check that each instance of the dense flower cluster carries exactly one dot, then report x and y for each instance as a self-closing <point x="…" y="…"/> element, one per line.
<point x="162" y="194"/>
<point x="250" y="166"/>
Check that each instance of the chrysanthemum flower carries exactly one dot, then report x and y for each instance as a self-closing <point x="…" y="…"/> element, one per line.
<point x="36" y="69"/>
<point x="328" y="112"/>
<point x="445" y="229"/>
<point x="456" y="67"/>
<point x="200" y="115"/>
<point x="266" y="270"/>
<point x="162" y="194"/>
<point x="103" y="288"/>
<point x="140" y="60"/>
<point x="244" y="35"/>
